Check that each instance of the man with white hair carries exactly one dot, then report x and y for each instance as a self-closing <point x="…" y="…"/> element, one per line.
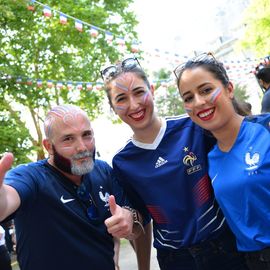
<point x="68" y="207"/>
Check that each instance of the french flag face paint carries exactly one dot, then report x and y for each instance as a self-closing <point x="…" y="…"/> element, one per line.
<point x="124" y="82"/>
<point x="120" y="108"/>
<point x="188" y="109"/>
<point x="72" y="118"/>
<point x="146" y="97"/>
<point x="215" y="95"/>
<point x="121" y="86"/>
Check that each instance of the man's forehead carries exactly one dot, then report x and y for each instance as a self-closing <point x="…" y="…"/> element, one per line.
<point x="67" y="117"/>
<point x="73" y="120"/>
<point x="61" y="111"/>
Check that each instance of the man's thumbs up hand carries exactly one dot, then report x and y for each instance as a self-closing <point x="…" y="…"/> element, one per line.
<point x="121" y="222"/>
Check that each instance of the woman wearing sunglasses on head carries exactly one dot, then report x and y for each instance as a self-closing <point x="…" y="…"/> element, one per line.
<point x="164" y="170"/>
<point x="239" y="164"/>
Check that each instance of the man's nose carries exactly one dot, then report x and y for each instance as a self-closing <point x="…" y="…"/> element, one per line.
<point x="81" y="146"/>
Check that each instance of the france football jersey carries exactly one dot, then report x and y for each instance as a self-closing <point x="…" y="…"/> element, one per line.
<point x="241" y="183"/>
<point x="169" y="180"/>
<point x="52" y="226"/>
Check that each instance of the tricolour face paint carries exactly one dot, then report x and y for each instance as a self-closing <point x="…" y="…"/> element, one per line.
<point x="124" y="82"/>
<point x="48" y="126"/>
<point x="188" y="108"/>
<point x="120" y="86"/>
<point x="215" y="95"/>
<point x="146" y="97"/>
<point x="72" y="117"/>
<point x="74" y="120"/>
<point x="120" y="108"/>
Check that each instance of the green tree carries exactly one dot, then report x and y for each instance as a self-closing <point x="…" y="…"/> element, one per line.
<point x="257" y="28"/>
<point x="167" y="98"/>
<point x="34" y="47"/>
<point x="240" y="92"/>
<point x="14" y="138"/>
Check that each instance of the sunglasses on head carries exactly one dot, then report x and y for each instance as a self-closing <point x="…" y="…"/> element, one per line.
<point x="204" y="58"/>
<point x="126" y="65"/>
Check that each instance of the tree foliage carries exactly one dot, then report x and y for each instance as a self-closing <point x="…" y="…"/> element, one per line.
<point x="240" y="92"/>
<point x="257" y="28"/>
<point x="167" y="98"/>
<point x="40" y="48"/>
<point x="14" y="138"/>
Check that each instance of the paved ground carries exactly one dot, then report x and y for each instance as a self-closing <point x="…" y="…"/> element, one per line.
<point x="127" y="259"/>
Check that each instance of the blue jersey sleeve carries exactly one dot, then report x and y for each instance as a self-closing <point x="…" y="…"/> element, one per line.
<point x="133" y="196"/>
<point x="262" y="119"/>
<point x="23" y="181"/>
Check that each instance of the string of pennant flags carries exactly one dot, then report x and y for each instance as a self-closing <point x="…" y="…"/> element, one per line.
<point x="109" y="36"/>
<point x="235" y="68"/>
<point x="82" y="25"/>
<point x="236" y="75"/>
<point x="53" y="83"/>
<point x="70" y="85"/>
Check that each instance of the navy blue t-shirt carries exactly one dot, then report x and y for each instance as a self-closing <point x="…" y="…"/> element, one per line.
<point x="52" y="226"/>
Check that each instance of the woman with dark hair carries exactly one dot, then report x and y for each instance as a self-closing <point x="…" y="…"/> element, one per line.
<point x="163" y="168"/>
<point x="239" y="163"/>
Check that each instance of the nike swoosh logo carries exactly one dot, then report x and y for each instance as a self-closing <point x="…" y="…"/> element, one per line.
<point x="66" y="200"/>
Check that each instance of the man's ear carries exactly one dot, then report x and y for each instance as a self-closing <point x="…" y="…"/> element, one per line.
<point x="260" y="82"/>
<point x="264" y="85"/>
<point x="48" y="146"/>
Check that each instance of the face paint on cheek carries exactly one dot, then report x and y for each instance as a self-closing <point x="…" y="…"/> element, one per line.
<point x="66" y="148"/>
<point x="120" y="108"/>
<point x="215" y="95"/>
<point x="188" y="108"/>
<point x="146" y="97"/>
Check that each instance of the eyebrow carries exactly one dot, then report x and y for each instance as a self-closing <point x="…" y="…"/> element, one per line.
<point x="133" y="90"/>
<point x="72" y="134"/>
<point x="183" y="94"/>
<point x="199" y="86"/>
<point x="137" y="88"/>
<point x="66" y="136"/>
<point x="119" y="95"/>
